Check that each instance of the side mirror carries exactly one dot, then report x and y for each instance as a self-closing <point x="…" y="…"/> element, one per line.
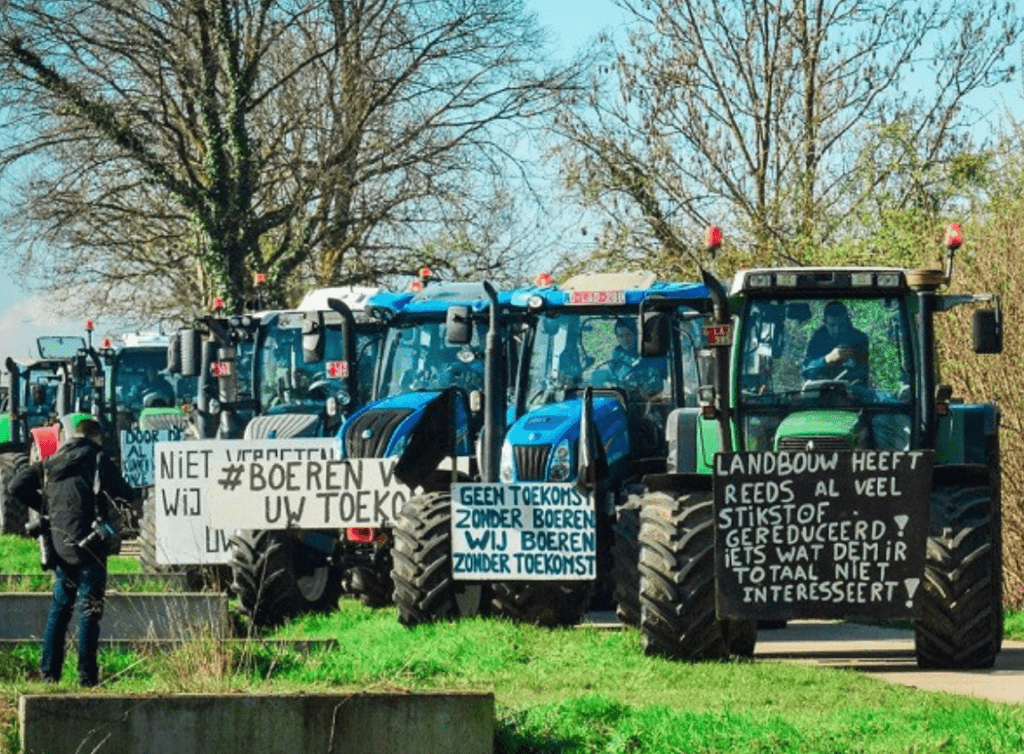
<point x="458" y="326"/>
<point x="174" y="354"/>
<point x="313" y="337"/>
<point x="987" y="331"/>
<point x="655" y="327"/>
<point x="190" y="352"/>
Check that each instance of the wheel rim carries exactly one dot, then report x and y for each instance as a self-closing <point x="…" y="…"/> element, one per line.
<point x="468" y="598"/>
<point x="313" y="586"/>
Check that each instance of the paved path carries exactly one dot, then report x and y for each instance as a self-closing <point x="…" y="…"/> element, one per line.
<point x="888" y="653"/>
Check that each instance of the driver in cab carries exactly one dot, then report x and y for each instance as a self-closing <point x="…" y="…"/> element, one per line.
<point x="837" y="350"/>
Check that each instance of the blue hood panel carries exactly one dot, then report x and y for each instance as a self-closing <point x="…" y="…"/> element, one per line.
<point x="551" y="424"/>
<point x="382" y="428"/>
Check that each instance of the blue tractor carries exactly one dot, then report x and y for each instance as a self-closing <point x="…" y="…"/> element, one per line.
<point x="441" y="385"/>
<point x="553" y="529"/>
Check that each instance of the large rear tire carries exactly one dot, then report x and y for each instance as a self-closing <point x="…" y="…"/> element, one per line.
<point x="425" y="590"/>
<point x="677" y="581"/>
<point x="276" y="578"/>
<point x="13" y="512"/>
<point x="961" y="621"/>
<point x="626" y="562"/>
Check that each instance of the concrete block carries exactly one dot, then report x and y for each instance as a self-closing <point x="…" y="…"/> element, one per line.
<point x="391" y="723"/>
<point x="126" y="617"/>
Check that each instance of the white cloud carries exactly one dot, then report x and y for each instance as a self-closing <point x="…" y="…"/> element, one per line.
<point x="29" y="318"/>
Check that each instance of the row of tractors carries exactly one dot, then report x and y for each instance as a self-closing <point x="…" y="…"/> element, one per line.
<point x="616" y="441"/>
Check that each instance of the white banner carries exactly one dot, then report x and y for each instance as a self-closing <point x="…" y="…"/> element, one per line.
<point x="516" y="532"/>
<point x="274" y="484"/>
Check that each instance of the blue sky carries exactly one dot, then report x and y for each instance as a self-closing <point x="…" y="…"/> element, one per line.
<point x="25" y="315"/>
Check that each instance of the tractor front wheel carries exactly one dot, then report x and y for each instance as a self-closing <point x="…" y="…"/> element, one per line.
<point x="276" y="577"/>
<point x="425" y="590"/>
<point x="13" y="512"/>
<point x="677" y="582"/>
<point x="961" y="621"/>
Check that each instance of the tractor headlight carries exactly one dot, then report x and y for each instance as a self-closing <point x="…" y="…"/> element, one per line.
<point x="508" y="466"/>
<point x="560" y="466"/>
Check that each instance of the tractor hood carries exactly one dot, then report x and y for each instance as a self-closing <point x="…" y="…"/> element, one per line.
<point x="283" y="426"/>
<point x="827" y="429"/>
<point x="383" y="428"/>
<point x="533" y="439"/>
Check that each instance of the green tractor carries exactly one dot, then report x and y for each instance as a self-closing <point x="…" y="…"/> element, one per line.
<point x="845" y="481"/>
<point x="43" y="394"/>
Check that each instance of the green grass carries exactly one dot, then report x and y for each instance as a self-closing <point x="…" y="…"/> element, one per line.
<point x="20" y="555"/>
<point x="574" y="690"/>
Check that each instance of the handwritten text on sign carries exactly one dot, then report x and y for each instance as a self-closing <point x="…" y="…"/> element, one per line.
<point x="184" y="535"/>
<point x="274" y="484"/>
<point x="137" y="453"/>
<point x="820" y="534"/>
<point x="514" y="532"/>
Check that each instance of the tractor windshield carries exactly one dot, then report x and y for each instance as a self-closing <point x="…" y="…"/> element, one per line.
<point x="140" y="380"/>
<point x="417" y="357"/>
<point x="799" y="355"/>
<point x="573" y="350"/>
<point x="286" y="383"/>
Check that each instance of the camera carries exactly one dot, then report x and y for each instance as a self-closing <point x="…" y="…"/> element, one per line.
<point x="103" y="537"/>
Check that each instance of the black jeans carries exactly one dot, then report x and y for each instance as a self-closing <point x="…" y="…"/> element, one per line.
<point x="85" y="585"/>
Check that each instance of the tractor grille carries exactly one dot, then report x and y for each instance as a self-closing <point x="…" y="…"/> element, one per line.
<point x="370" y="433"/>
<point x="825" y="443"/>
<point x="532" y="462"/>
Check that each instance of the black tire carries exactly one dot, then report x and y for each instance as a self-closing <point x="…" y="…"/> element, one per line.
<point x="276" y="578"/>
<point x="742" y="637"/>
<point x="961" y="621"/>
<point x="677" y="579"/>
<point x="626" y="562"/>
<point x="551" y="604"/>
<point x="13" y="512"/>
<point x="425" y="591"/>
<point x="369" y="580"/>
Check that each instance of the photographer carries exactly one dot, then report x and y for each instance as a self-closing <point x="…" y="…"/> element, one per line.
<point x="69" y="480"/>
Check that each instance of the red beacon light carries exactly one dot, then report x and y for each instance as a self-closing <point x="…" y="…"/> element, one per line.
<point x="954" y="236"/>
<point x="416" y="286"/>
<point x="544" y="280"/>
<point x="713" y="238"/>
<point x="425" y="273"/>
<point x="90" y="325"/>
<point x="108" y="343"/>
<point x="260" y="278"/>
<point x="218" y="304"/>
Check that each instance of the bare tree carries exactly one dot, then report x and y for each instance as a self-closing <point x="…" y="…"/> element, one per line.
<point x="753" y="114"/>
<point x="166" y="151"/>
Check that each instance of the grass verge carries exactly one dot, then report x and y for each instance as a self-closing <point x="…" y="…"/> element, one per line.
<point x="575" y="690"/>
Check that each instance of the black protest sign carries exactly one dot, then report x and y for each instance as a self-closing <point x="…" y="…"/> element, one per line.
<point x="820" y="534"/>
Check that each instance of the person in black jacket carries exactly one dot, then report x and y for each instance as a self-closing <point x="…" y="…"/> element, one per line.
<point x="68" y="480"/>
<point x="837" y="349"/>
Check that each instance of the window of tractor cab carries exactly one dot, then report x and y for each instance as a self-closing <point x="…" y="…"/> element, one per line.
<point x="577" y="349"/>
<point x="417" y="356"/>
<point x="818" y="353"/>
<point x="286" y="381"/>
